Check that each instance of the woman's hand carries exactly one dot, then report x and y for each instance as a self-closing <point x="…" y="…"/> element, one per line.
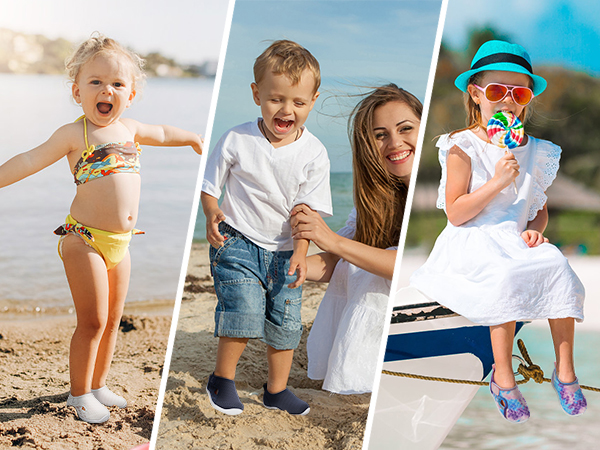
<point x="533" y="238"/>
<point x="308" y="224"/>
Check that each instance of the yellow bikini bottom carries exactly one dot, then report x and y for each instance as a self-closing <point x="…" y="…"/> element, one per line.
<point x="112" y="247"/>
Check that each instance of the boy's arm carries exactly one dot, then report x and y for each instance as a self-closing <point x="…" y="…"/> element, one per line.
<point x="27" y="163"/>
<point x="298" y="262"/>
<point x="164" y="135"/>
<point x="214" y="215"/>
<point x="316" y="192"/>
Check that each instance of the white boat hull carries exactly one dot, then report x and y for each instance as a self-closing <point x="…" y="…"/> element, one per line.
<point x="418" y="414"/>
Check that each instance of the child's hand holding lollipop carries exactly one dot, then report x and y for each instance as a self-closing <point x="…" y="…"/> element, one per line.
<point x="506" y="131"/>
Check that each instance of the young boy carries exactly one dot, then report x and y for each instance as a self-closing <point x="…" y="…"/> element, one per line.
<point x="267" y="166"/>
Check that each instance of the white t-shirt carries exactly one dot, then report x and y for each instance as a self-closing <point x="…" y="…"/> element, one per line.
<point x="263" y="183"/>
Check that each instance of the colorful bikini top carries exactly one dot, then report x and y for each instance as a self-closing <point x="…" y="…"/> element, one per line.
<point x="98" y="161"/>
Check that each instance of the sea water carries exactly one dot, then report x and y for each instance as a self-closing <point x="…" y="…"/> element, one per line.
<point x="481" y="427"/>
<point x="33" y="107"/>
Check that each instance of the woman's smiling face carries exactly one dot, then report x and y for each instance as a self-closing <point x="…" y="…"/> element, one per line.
<point x="396" y="129"/>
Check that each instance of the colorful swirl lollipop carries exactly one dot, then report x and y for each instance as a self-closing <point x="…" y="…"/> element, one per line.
<point x="505" y="130"/>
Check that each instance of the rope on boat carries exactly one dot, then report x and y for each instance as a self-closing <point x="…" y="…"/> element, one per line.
<point x="528" y="372"/>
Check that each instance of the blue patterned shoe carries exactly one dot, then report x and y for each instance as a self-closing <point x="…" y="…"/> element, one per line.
<point x="510" y="402"/>
<point x="570" y="396"/>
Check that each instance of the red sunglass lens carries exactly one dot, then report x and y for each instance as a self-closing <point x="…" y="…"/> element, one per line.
<point x="521" y="95"/>
<point x="495" y="92"/>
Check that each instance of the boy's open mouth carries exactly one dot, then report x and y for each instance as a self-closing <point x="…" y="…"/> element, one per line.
<point x="104" y="108"/>
<point x="399" y="156"/>
<point x="283" y="126"/>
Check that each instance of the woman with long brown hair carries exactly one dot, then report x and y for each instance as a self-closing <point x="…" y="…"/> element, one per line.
<point x="358" y="260"/>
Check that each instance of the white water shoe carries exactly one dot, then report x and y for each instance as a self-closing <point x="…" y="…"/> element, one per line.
<point x="108" y="398"/>
<point x="88" y="408"/>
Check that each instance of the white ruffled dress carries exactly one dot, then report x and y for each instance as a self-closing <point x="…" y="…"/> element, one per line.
<point x="344" y="341"/>
<point x="483" y="269"/>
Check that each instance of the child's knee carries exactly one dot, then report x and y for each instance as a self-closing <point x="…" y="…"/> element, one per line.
<point x="92" y="325"/>
<point x="112" y="325"/>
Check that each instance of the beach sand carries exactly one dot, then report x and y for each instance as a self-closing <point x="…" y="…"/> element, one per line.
<point x="34" y="376"/>
<point x="188" y="420"/>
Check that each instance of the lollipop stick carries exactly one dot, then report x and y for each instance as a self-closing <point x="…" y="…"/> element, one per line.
<point x="514" y="181"/>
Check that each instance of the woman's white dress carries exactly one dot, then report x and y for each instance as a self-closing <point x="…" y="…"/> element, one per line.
<point x="343" y="345"/>
<point x="483" y="269"/>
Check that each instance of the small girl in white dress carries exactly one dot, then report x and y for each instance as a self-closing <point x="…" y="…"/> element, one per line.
<point x="492" y="263"/>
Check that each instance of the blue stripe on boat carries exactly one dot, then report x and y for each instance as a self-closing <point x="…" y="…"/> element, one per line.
<point x="449" y="341"/>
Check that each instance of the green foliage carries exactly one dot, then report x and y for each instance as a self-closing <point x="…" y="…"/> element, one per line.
<point x="424" y="227"/>
<point x="478" y="36"/>
<point x="572" y="231"/>
<point x="575" y="232"/>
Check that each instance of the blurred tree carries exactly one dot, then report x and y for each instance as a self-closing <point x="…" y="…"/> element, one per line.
<point x="478" y="36"/>
<point x="28" y="53"/>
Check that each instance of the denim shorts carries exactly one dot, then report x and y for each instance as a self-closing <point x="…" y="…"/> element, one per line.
<point x="254" y="300"/>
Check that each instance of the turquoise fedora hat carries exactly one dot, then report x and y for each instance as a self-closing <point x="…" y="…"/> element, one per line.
<point x="503" y="56"/>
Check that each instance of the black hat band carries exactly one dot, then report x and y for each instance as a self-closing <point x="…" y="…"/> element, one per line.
<point x="503" y="58"/>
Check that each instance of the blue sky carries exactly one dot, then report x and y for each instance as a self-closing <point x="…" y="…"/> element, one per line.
<point x="554" y="32"/>
<point x="357" y="43"/>
<point x="186" y="30"/>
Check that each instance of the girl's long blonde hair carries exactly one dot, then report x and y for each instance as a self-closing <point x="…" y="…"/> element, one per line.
<point x="379" y="196"/>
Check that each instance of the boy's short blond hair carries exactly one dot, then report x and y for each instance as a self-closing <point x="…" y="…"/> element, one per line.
<point x="288" y="58"/>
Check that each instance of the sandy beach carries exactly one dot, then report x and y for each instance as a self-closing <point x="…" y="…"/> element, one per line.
<point x="188" y="420"/>
<point x="34" y="370"/>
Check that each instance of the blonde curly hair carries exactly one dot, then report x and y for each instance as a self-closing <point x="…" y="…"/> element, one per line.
<point x="99" y="44"/>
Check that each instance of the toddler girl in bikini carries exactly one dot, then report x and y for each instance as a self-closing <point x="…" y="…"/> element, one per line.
<point x="103" y="152"/>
